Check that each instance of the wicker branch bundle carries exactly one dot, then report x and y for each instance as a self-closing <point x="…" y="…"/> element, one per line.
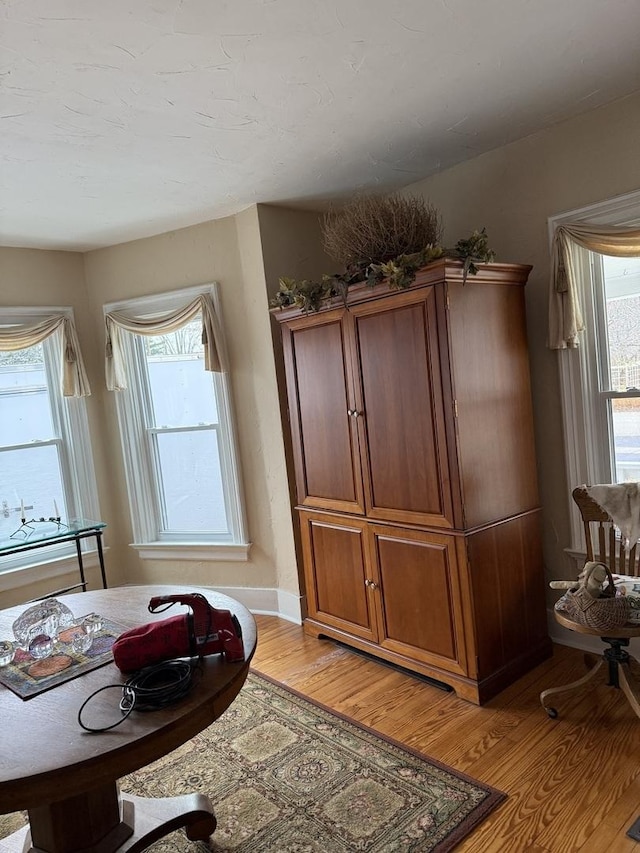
<point x="374" y="229"/>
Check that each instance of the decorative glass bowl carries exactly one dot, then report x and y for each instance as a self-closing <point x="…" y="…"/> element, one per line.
<point x="7" y="652"/>
<point x="82" y="640"/>
<point x="93" y="623"/>
<point x="39" y="642"/>
<point x="45" y="618"/>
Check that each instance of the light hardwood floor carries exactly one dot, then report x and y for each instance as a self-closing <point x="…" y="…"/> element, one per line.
<point x="573" y="784"/>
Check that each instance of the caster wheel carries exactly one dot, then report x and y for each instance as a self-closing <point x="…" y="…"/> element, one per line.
<point x="551" y="712"/>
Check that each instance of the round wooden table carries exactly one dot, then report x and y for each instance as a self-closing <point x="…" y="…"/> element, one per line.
<point x="67" y="778"/>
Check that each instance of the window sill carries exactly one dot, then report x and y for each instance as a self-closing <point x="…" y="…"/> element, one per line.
<point x="192" y="551"/>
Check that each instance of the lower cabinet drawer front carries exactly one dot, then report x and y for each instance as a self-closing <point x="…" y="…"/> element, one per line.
<point x="420" y="606"/>
<point x="335" y="562"/>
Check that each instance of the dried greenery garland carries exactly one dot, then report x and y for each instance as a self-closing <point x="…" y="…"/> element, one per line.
<point x="380" y="238"/>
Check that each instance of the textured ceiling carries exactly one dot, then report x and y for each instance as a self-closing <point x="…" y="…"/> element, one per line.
<point x="126" y="119"/>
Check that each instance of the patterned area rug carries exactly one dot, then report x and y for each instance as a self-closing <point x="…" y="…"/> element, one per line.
<point x="288" y="776"/>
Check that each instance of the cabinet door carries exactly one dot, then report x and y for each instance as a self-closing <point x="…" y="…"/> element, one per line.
<point x="401" y="411"/>
<point x="419" y="601"/>
<point x="325" y="440"/>
<point x="336" y="565"/>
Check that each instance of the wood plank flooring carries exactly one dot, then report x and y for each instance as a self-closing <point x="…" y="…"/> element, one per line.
<point x="573" y="784"/>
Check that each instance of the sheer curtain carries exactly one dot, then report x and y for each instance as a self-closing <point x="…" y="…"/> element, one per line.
<point x="565" y="316"/>
<point x="214" y="357"/>
<point x="74" y="377"/>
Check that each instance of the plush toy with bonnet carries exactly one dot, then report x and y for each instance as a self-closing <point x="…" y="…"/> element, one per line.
<point x="592" y="578"/>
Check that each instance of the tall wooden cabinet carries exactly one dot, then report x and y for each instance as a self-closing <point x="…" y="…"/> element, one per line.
<point x="412" y="437"/>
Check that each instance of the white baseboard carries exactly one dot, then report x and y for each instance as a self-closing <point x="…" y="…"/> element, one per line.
<point x="290" y="606"/>
<point x="585" y="642"/>
<point x="267" y="601"/>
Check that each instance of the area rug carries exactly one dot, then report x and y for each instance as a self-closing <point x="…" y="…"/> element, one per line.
<point x="289" y="776"/>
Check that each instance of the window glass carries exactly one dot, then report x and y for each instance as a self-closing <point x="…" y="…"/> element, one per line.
<point x="626" y="433"/>
<point x="192" y="491"/>
<point x="183" y="415"/>
<point x="181" y="390"/>
<point x="31" y="476"/>
<point x="24" y="396"/>
<point x="621" y="278"/>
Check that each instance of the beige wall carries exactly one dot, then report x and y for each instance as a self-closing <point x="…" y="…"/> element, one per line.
<point x="512" y="191"/>
<point x="264" y="454"/>
<point x="291" y="243"/>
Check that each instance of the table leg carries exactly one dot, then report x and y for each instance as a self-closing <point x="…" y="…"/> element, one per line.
<point x="80" y="563"/>
<point x="101" y="558"/>
<point x="101" y="821"/>
<point x="155" y="818"/>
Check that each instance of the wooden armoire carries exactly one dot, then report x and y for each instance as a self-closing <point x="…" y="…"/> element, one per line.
<point x="412" y="435"/>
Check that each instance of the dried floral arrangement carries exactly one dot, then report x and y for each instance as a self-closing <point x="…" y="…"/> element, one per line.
<point x="375" y="229"/>
<point x="379" y="238"/>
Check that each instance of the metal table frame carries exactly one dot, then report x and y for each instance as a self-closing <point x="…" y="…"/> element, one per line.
<point x="67" y="536"/>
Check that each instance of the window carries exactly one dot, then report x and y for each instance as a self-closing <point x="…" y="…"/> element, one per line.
<point x="600" y="380"/>
<point x="45" y="452"/>
<point x="617" y="280"/>
<point x="178" y="440"/>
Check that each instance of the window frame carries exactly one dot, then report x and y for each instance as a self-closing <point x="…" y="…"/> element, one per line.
<point x="585" y="415"/>
<point x="70" y="421"/>
<point x="140" y="471"/>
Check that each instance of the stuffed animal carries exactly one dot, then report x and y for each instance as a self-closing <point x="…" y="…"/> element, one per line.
<point x="592" y="578"/>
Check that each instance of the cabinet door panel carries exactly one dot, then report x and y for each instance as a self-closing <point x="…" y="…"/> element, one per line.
<point x="336" y="567"/>
<point x="325" y="439"/>
<point x="420" y="606"/>
<point x="403" y="418"/>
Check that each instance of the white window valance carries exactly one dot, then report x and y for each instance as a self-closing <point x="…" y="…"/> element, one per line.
<point x="74" y="377"/>
<point x="214" y="358"/>
<point x="565" y="316"/>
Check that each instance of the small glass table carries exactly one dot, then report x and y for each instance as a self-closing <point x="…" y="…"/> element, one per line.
<point x="41" y="533"/>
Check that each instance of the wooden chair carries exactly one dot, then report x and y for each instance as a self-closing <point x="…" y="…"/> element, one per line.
<point x="605" y="546"/>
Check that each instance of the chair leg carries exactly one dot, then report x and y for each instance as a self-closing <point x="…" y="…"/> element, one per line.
<point x="554" y="691"/>
<point x="629" y="687"/>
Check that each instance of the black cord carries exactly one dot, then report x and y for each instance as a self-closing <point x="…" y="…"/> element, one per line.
<point x="147" y="689"/>
<point x="157" y="686"/>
